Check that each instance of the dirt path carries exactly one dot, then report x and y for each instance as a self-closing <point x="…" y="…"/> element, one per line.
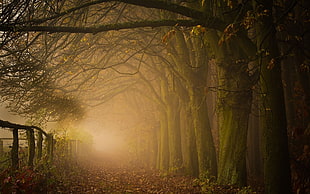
<point x="110" y="176"/>
<point x="98" y="177"/>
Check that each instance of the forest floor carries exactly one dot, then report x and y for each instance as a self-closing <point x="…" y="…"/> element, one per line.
<point x="112" y="177"/>
<point x="101" y="175"/>
<point x="97" y="178"/>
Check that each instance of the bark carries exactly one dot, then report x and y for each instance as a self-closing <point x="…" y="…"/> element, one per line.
<point x="233" y="135"/>
<point x="204" y="140"/>
<point x="276" y="157"/>
<point x="163" y="144"/>
<point x="190" y="57"/>
<point x="205" y="19"/>
<point x="98" y="28"/>
<point x="254" y="143"/>
<point x="234" y="101"/>
<point x="174" y="134"/>
<point x="1" y="147"/>
<point x="295" y="75"/>
<point x="189" y="148"/>
<point x="153" y="147"/>
<point x="190" y="156"/>
<point x="235" y="109"/>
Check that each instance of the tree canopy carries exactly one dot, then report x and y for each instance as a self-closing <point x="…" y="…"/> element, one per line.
<point x="58" y="56"/>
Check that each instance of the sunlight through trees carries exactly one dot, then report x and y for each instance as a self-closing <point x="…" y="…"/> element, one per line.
<point x="213" y="89"/>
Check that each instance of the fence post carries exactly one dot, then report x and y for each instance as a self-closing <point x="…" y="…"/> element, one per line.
<point x="39" y="145"/>
<point x="1" y="147"/>
<point x="14" y="151"/>
<point x="31" y="146"/>
<point x="50" y="147"/>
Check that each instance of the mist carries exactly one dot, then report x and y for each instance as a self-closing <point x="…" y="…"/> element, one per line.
<point x="154" y="96"/>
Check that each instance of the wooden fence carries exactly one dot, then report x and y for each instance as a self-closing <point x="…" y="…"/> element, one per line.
<point x="32" y="142"/>
<point x="35" y="138"/>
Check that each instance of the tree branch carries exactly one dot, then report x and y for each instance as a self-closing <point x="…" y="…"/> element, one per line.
<point x="203" y="17"/>
<point x="101" y="28"/>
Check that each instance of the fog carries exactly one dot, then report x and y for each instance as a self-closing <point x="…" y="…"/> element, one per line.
<point x="107" y="138"/>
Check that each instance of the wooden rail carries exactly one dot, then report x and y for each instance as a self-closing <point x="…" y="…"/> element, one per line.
<point x="30" y="130"/>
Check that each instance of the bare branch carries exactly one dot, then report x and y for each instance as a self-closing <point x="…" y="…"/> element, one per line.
<point x="97" y="29"/>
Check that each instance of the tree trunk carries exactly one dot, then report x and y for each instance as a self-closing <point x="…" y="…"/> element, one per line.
<point x="190" y="57"/>
<point x="254" y="143"/>
<point x="204" y="140"/>
<point x="190" y="156"/>
<point x="154" y="147"/>
<point x="234" y="101"/>
<point x="174" y="134"/>
<point x="164" y="146"/>
<point x="235" y="108"/>
<point x="1" y="147"/>
<point x="276" y="157"/>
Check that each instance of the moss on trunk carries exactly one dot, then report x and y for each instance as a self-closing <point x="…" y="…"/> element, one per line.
<point x="204" y="140"/>
<point x="174" y="134"/>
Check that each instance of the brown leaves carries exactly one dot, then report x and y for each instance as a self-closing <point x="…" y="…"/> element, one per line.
<point x="271" y="64"/>
<point x="230" y="31"/>
<point x="197" y="30"/>
<point x="248" y="20"/>
<point x="98" y="178"/>
<point x="168" y="36"/>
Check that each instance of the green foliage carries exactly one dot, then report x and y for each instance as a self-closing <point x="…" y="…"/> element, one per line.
<point x="206" y="182"/>
<point x="5" y="161"/>
<point x="208" y="185"/>
<point x="245" y="190"/>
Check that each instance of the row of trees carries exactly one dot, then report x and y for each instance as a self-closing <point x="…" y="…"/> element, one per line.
<point x="238" y="57"/>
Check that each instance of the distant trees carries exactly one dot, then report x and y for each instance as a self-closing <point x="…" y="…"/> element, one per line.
<point x="244" y="38"/>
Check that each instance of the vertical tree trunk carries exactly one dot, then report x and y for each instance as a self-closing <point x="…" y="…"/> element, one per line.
<point x="174" y="134"/>
<point x="14" y="151"/>
<point x="276" y="157"/>
<point x="190" y="58"/>
<point x="31" y="146"/>
<point x="153" y="147"/>
<point x="190" y="156"/>
<point x="204" y="140"/>
<point x="234" y="100"/>
<point x="164" y="146"/>
<point x="235" y="110"/>
<point x="254" y="143"/>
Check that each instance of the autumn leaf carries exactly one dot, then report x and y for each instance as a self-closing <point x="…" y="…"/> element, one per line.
<point x="168" y="36"/>
<point x="198" y="30"/>
<point x="230" y="31"/>
<point x="271" y="64"/>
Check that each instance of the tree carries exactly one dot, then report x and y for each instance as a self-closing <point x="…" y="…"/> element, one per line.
<point x="234" y="48"/>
